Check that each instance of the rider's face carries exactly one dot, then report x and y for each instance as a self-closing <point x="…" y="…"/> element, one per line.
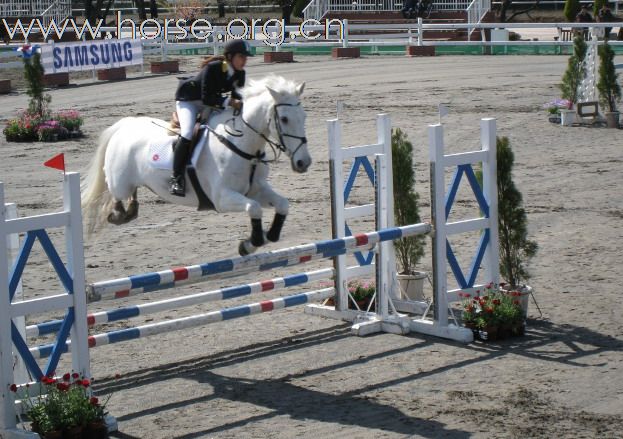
<point x="238" y="61"/>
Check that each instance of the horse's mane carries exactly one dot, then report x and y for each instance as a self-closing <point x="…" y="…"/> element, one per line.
<point x="255" y="87"/>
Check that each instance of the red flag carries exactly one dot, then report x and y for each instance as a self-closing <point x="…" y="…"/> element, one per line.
<point x="56" y="162"/>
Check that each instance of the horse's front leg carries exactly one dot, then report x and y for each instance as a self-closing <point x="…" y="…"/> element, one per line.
<point x="230" y="201"/>
<point x="267" y="197"/>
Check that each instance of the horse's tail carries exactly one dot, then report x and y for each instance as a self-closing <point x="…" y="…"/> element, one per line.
<point x="95" y="195"/>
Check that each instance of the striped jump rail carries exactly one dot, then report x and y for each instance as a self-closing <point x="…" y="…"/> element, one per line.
<point x="124" y="313"/>
<point x="160" y="280"/>
<point x="44" y="351"/>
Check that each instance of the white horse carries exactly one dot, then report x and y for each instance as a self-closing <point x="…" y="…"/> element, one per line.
<point x="231" y="168"/>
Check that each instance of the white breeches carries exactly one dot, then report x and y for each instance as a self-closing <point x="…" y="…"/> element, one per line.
<point x="187" y="115"/>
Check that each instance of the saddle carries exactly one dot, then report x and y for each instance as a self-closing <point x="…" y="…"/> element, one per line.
<point x="175" y="127"/>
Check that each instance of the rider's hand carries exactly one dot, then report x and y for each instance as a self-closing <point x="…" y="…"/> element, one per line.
<point x="235" y="104"/>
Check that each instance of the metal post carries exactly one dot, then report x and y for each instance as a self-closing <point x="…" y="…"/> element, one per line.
<point x="337" y="211"/>
<point x="438" y="218"/>
<point x="382" y="302"/>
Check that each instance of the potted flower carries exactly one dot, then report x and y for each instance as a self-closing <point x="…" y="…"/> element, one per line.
<point x="608" y="85"/>
<point x="409" y="250"/>
<point x="554" y="108"/>
<point x="515" y="248"/>
<point x="362" y="293"/>
<point x="493" y="313"/>
<point x="64" y="407"/>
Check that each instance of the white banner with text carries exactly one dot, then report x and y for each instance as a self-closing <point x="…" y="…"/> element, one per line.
<point x="90" y="55"/>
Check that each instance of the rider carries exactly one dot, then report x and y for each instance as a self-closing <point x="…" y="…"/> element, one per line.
<point x="219" y="74"/>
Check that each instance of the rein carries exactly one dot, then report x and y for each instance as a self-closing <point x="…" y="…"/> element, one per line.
<point x="254" y="159"/>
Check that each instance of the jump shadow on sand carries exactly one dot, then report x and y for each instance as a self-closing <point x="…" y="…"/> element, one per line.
<point x="278" y="395"/>
<point x="545" y="341"/>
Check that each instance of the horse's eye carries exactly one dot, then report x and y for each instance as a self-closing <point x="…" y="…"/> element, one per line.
<point x="284" y="119"/>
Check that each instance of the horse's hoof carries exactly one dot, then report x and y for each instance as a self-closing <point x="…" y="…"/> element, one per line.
<point x="246" y="248"/>
<point x="132" y="212"/>
<point x="116" y="218"/>
<point x="272" y="237"/>
<point x="242" y="250"/>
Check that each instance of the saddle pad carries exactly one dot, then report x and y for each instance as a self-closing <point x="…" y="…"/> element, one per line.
<point x="161" y="153"/>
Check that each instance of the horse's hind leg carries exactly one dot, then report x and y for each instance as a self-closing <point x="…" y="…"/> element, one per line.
<point x="132" y="212"/>
<point x="119" y="215"/>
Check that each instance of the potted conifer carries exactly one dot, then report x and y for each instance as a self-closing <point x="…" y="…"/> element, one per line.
<point x="515" y="248"/>
<point x="572" y="78"/>
<point x="608" y="85"/>
<point x="409" y="250"/>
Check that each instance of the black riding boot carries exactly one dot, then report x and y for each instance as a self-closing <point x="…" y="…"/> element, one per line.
<point x="180" y="158"/>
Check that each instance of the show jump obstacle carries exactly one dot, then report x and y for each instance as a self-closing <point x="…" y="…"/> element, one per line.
<point x="374" y="254"/>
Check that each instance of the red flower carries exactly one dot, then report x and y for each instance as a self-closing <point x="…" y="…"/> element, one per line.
<point x="75" y="375"/>
<point x="469" y="308"/>
<point x="86" y="383"/>
<point x="94" y="400"/>
<point x="496" y="301"/>
<point x="13" y="388"/>
<point x="489" y="310"/>
<point x="66" y="377"/>
<point x="63" y="387"/>
<point x="516" y="302"/>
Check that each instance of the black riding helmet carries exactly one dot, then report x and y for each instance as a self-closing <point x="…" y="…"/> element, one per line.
<point x="238" y="46"/>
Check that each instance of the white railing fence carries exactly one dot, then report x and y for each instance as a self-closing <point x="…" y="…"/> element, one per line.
<point x="46" y="9"/>
<point x="316" y="9"/>
<point x="347" y="36"/>
<point x="476" y="11"/>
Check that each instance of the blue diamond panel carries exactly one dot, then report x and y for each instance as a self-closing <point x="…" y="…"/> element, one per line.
<point x="348" y="186"/>
<point x="16" y="274"/>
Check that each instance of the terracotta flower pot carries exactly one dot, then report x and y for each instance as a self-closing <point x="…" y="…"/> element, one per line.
<point x="505" y="331"/>
<point x="56" y="434"/>
<point x="73" y="432"/>
<point x="488" y="333"/>
<point x="96" y="430"/>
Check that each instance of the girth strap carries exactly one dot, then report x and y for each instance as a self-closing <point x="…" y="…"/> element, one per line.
<point x="204" y="201"/>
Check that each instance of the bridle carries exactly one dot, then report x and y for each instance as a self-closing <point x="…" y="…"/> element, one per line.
<point x="281" y="146"/>
<point x="259" y="157"/>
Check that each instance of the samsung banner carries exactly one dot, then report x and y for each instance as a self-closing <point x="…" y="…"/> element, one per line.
<point x="90" y="55"/>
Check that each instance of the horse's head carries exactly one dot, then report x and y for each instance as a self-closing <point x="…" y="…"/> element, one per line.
<point x="284" y="120"/>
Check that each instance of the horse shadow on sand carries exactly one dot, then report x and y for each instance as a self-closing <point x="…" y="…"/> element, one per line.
<point x="544" y="340"/>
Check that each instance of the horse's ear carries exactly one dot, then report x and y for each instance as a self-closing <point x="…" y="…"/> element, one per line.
<point x="300" y="88"/>
<point x="274" y="94"/>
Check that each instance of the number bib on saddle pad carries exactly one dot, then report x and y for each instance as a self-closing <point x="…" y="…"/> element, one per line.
<point x="161" y="153"/>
